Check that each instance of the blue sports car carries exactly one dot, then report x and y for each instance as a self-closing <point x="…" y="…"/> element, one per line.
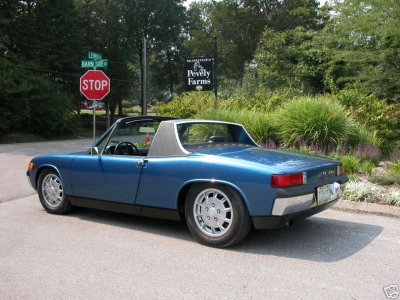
<point x="210" y="173"/>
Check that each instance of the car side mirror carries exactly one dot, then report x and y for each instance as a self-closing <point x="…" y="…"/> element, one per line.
<point x="94" y="151"/>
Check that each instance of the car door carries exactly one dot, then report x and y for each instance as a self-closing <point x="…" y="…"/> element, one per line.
<point x="114" y="173"/>
<point x="106" y="177"/>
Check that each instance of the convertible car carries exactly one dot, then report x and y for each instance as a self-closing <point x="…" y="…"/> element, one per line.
<point x="210" y="173"/>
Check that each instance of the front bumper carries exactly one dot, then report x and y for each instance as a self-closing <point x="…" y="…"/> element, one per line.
<point x="29" y="179"/>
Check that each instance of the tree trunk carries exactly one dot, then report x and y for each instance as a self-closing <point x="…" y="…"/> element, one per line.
<point x="119" y="107"/>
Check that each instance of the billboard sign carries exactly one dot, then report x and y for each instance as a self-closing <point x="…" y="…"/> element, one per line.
<point x="199" y="74"/>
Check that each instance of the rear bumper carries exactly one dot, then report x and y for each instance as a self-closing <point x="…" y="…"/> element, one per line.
<point x="300" y="202"/>
<point x="272" y="222"/>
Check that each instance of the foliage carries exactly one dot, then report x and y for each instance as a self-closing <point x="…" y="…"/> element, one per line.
<point x="351" y="164"/>
<point x="185" y="106"/>
<point x="359" y="191"/>
<point x="367" y="167"/>
<point x="287" y="59"/>
<point x="394" y="168"/>
<point x="257" y="124"/>
<point x="393" y="198"/>
<point x="386" y="179"/>
<point x="314" y="120"/>
<point x="363" y="38"/>
<point x="372" y="112"/>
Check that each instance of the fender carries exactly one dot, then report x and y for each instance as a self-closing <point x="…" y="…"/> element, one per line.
<point x="39" y="170"/>
<point x="234" y="186"/>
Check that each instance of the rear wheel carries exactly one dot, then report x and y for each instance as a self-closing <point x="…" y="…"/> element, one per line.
<point x="216" y="215"/>
<point x="51" y="193"/>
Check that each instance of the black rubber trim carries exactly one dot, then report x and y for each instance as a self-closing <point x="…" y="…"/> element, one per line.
<point x="272" y="222"/>
<point x="146" y="211"/>
<point x="308" y="188"/>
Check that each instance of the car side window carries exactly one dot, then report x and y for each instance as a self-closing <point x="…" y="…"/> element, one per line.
<point x="132" y="138"/>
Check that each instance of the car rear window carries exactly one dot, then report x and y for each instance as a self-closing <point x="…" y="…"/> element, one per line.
<point x="194" y="136"/>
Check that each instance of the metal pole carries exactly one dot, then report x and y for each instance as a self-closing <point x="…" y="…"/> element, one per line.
<point x="94" y="121"/>
<point x="215" y="74"/>
<point x="144" y="75"/>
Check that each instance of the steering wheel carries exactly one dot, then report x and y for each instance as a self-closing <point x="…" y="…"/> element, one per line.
<point x="126" y="148"/>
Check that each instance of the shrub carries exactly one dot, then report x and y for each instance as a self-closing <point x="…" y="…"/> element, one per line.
<point x="359" y="191"/>
<point x="395" y="154"/>
<point x="393" y="198"/>
<point x="351" y="164"/>
<point x="394" y="168"/>
<point x="371" y="111"/>
<point x="387" y="179"/>
<point x="186" y="105"/>
<point x="367" y="152"/>
<point x="367" y="167"/>
<point x="313" y="120"/>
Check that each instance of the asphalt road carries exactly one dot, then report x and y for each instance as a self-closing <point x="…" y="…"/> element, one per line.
<point x="93" y="254"/>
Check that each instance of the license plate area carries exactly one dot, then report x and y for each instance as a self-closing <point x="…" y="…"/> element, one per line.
<point x="328" y="192"/>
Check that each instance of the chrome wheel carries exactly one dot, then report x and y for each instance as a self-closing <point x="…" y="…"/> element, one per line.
<point x="52" y="190"/>
<point x="212" y="211"/>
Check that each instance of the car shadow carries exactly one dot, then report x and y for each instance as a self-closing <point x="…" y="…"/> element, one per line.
<point x="314" y="239"/>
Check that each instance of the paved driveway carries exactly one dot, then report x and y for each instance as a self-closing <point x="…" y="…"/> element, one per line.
<point x="91" y="254"/>
<point x="14" y="160"/>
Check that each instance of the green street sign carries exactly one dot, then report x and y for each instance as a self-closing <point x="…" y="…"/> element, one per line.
<point x="87" y="64"/>
<point x="101" y="63"/>
<point x="90" y="64"/>
<point x="93" y="55"/>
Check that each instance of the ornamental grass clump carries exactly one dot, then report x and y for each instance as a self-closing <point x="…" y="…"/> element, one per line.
<point x="313" y="120"/>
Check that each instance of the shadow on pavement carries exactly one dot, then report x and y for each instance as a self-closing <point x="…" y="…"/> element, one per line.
<point x="314" y="239"/>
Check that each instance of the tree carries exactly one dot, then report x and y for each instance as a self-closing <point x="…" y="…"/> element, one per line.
<point x="237" y="28"/>
<point x="288" y="59"/>
<point x="363" y="38"/>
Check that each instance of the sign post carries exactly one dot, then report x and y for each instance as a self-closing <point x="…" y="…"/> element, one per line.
<point x="94" y="85"/>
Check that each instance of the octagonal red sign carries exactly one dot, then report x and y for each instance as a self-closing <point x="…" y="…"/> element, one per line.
<point x="94" y="85"/>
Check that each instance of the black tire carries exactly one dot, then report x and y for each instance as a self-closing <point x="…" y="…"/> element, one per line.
<point x="53" y="200"/>
<point x="233" y="227"/>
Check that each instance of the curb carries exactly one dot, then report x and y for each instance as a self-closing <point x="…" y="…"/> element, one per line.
<point x="368" y="208"/>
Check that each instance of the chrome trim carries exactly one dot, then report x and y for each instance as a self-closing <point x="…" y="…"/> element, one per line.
<point x="291" y="205"/>
<point x="286" y="206"/>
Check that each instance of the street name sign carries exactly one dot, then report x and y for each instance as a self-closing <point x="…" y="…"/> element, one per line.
<point x="90" y="64"/>
<point x="94" y="55"/>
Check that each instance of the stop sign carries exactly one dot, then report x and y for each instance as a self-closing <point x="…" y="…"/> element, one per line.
<point x="94" y="84"/>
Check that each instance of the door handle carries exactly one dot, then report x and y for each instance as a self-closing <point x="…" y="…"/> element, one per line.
<point x="141" y="163"/>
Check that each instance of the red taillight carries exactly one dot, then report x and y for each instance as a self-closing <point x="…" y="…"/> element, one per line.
<point x="340" y="170"/>
<point x="286" y="180"/>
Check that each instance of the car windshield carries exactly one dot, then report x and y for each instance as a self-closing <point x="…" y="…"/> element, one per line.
<point x="197" y="136"/>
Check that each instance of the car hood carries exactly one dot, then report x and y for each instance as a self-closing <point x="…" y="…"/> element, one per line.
<point x="284" y="161"/>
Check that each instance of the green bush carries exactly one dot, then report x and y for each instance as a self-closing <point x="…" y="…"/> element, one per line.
<point x="367" y="167"/>
<point x="313" y="120"/>
<point x="351" y="164"/>
<point x="394" y="168"/>
<point x="387" y="179"/>
<point x="373" y="112"/>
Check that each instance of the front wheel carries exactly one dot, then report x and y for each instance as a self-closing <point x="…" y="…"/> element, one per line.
<point x="216" y="215"/>
<point x="51" y="193"/>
